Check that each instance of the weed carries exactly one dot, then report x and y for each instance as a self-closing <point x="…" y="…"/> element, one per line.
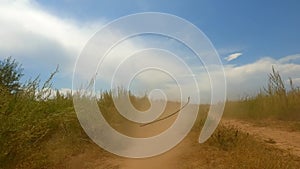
<point x="227" y="138"/>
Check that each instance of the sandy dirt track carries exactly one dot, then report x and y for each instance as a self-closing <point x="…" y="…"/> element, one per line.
<point x="283" y="139"/>
<point x="278" y="137"/>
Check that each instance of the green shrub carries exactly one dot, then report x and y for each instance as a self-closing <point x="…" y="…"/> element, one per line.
<point x="29" y="116"/>
<point x="10" y="74"/>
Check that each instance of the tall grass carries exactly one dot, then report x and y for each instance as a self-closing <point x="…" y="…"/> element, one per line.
<point x="273" y="101"/>
<point x="27" y="119"/>
<point x="108" y="109"/>
<point x="35" y="121"/>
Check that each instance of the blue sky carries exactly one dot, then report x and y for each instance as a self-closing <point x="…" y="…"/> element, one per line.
<point x="259" y="28"/>
<point x="41" y="34"/>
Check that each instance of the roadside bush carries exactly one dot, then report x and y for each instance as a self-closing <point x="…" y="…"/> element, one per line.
<point x="29" y="115"/>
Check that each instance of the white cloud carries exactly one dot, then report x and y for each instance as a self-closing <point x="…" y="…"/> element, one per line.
<point x="65" y="91"/>
<point x="242" y="80"/>
<point x="26" y="18"/>
<point x="233" y="56"/>
<point x="296" y="81"/>
<point x="39" y="39"/>
<point x="249" y="78"/>
<point x="289" y="59"/>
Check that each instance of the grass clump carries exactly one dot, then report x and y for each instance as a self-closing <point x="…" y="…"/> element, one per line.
<point x="227" y="138"/>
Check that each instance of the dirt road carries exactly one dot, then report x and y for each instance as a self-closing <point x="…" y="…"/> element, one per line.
<point x="168" y="160"/>
<point x="188" y="154"/>
<point x="280" y="137"/>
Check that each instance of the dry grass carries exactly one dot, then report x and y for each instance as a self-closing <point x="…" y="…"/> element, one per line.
<point x="38" y="131"/>
<point x="274" y="101"/>
<point x="231" y="148"/>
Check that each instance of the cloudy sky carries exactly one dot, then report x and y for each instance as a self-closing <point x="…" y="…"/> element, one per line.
<point x="250" y="37"/>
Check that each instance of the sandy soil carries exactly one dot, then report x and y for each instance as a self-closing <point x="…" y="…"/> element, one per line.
<point x="97" y="159"/>
<point x="168" y="160"/>
<point x="279" y="136"/>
